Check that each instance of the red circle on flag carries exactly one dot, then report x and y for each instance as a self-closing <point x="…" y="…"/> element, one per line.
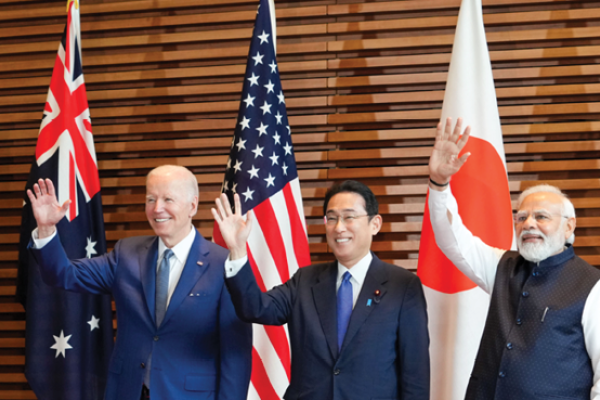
<point x="481" y="191"/>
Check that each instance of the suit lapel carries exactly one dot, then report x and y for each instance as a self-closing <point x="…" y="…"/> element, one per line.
<point x="374" y="280"/>
<point x="325" y="303"/>
<point x="195" y="266"/>
<point x="148" y="274"/>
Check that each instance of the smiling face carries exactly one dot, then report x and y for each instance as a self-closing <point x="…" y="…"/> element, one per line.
<point x="170" y="203"/>
<point x="351" y="235"/>
<point x="542" y="230"/>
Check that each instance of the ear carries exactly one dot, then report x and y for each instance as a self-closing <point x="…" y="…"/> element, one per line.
<point x="194" y="206"/>
<point x="570" y="227"/>
<point x="375" y="224"/>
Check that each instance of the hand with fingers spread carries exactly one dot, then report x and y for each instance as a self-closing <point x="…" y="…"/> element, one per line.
<point x="45" y="207"/>
<point x="444" y="161"/>
<point x="234" y="229"/>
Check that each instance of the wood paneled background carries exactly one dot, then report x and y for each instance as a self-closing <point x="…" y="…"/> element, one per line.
<point x="364" y="83"/>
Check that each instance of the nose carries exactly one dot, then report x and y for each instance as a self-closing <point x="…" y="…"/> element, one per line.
<point x="529" y="222"/>
<point x="158" y="205"/>
<point x="340" y="226"/>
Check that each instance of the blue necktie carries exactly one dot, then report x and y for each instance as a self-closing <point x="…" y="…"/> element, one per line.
<point x="344" y="307"/>
<point x="162" y="286"/>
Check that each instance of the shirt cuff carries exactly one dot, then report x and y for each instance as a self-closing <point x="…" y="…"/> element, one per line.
<point x="232" y="267"/>
<point x="39" y="243"/>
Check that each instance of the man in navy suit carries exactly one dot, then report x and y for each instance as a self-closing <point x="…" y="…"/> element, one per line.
<point x="358" y="326"/>
<point x="178" y="334"/>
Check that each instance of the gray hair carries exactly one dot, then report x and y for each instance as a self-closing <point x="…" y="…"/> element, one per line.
<point x="568" y="209"/>
<point x="184" y="174"/>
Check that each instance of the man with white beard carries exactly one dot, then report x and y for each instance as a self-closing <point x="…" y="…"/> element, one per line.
<point x="542" y="334"/>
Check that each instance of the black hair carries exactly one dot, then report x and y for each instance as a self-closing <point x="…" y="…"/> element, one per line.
<point x="359" y="188"/>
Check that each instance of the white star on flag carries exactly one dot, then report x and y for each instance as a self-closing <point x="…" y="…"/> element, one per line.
<point x="249" y="100"/>
<point x="262" y="129"/>
<point x="264" y="38"/>
<point x="257" y="59"/>
<point x="258" y="151"/>
<point x="270" y="86"/>
<point x="241" y="144"/>
<point x="248" y="194"/>
<point x="245" y="123"/>
<point x="273" y="67"/>
<point x="253" y="172"/>
<point x="61" y="344"/>
<point x="270" y="180"/>
<point x="89" y="249"/>
<point x="238" y="165"/>
<point x="94" y="323"/>
<point x="266" y="108"/>
<point x="253" y="80"/>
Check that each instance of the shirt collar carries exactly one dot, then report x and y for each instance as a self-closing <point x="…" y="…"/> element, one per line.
<point x="182" y="249"/>
<point x="358" y="271"/>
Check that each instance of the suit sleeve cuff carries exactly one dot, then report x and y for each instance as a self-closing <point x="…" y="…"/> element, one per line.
<point x="39" y="243"/>
<point x="232" y="267"/>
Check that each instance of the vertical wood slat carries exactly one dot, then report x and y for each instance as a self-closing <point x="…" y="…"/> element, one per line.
<point x="364" y="85"/>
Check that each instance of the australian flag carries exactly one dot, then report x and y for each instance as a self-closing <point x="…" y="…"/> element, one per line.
<point x="69" y="336"/>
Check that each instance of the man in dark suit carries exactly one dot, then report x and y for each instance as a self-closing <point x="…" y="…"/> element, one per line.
<point x="358" y="326"/>
<point x="178" y="334"/>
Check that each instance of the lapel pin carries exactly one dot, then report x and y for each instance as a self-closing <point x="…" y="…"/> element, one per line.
<point x="200" y="263"/>
<point x="377" y="296"/>
<point x="369" y="303"/>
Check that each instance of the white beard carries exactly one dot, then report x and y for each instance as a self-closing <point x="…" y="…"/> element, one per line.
<point x="536" y="252"/>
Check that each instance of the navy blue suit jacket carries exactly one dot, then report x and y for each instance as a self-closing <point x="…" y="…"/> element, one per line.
<point x="200" y="351"/>
<point x="385" y="354"/>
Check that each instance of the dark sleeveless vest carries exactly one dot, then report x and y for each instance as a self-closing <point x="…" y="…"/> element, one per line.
<point x="533" y="345"/>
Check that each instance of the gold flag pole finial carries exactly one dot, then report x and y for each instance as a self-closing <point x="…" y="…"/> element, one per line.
<point x="71" y="1"/>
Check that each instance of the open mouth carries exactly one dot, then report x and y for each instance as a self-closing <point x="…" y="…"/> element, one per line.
<point x="161" y="219"/>
<point x="342" y="240"/>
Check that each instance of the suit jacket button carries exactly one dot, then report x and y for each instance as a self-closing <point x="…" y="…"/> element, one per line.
<point x="156" y="338"/>
<point x="143" y="365"/>
<point x="502" y="374"/>
<point x="336" y="372"/>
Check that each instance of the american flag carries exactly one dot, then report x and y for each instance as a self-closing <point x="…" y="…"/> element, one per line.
<point x="69" y="336"/>
<point x="262" y="170"/>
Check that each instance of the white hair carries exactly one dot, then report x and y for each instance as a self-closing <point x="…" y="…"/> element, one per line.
<point x="191" y="183"/>
<point x="568" y="209"/>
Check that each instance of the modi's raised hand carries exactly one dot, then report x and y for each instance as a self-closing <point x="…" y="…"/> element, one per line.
<point x="444" y="161"/>
<point x="45" y="207"/>
<point x="234" y="228"/>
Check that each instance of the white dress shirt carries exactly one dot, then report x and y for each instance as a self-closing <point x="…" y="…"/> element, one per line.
<point x="479" y="262"/>
<point x="358" y="272"/>
<point x="180" y="252"/>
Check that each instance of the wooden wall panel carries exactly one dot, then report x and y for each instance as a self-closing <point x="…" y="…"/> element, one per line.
<point x="364" y="84"/>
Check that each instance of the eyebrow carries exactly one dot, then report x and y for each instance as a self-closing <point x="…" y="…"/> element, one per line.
<point x="344" y="210"/>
